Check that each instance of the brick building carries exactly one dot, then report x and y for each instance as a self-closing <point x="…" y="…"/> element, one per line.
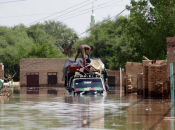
<point x="1" y="71"/>
<point x="45" y="72"/>
<point x="114" y="78"/>
<point x="114" y="81"/>
<point x="41" y="72"/>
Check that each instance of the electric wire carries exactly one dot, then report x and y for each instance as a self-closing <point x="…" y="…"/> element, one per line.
<point x="84" y="13"/>
<point x="103" y="22"/>
<point x="74" y="10"/>
<point x="103" y="4"/>
<point x="59" y="12"/>
<point x="88" y="9"/>
<point x="12" y="1"/>
<point x="70" y="14"/>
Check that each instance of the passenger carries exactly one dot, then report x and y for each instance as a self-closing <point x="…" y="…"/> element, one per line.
<point x="82" y="49"/>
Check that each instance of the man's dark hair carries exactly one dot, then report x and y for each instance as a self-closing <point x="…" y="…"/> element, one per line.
<point x="88" y="60"/>
<point x="91" y="47"/>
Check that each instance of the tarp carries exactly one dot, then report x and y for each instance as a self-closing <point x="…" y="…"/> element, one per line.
<point x="78" y="62"/>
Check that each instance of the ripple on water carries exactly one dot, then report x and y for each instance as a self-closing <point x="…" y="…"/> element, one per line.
<point x="56" y="113"/>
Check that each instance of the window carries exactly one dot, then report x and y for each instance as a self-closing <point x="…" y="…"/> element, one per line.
<point x="88" y="83"/>
<point x="52" y="77"/>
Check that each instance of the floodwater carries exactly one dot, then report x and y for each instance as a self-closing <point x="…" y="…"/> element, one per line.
<point x="55" y="109"/>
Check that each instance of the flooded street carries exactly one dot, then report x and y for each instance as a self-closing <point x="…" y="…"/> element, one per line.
<point x="54" y="108"/>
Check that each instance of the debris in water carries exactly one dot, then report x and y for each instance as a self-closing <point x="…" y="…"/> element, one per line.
<point x="85" y="122"/>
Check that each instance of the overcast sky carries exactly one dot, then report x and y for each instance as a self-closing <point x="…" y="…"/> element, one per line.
<point x="74" y="13"/>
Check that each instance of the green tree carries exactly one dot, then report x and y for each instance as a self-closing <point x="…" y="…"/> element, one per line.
<point x="38" y="34"/>
<point x="15" y="44"/>
<point x="44" y="51"/>
<point x="26" y="42"/>
<point x="151" y="22"/>
<point x="110" y="42"/>
<point x="64" y="36"/>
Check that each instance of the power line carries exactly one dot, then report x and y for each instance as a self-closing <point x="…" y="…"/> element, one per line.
<point x="115" y="5"/>
<point x="56" y="12"/>
<point x="80" y="14"/>
<point x="74" y="10"/>
<point x="85" y="13"/>
<point x="102" y="22"/>
<point x="104" y="4"/>
<point x="12" y="1"/>
<point x="87" y="9"/>
<point x="59" y="12"/>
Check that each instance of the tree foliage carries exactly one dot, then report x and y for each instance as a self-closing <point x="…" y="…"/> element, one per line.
<point x="151" y="23"/>
<point x="115" y="41"/>
<point x="109" y="41"/>
<point x="142" y="33"/>
<point x="36" y="41"/>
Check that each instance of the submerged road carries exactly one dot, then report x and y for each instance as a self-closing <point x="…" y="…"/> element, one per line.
<point x="53" y="109"/>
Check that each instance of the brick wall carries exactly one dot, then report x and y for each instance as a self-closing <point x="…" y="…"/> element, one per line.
<point x="134" y="69"/>
<point x="41" y="66"/>
<point x="117" y="76"/>
<point x="45" y="65"/>
<point x="1" y="71"/>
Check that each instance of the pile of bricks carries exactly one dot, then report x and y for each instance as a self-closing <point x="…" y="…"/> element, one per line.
<point x="155" y="77"/>
<point x="151" y="78"/>
<point x="129" y="86"/>
<point x="161" y="79"/>
<point x="148" y="78"/>
<point x="134" y="68"/>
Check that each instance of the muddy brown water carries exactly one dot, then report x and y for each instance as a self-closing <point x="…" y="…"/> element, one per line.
<point x="55" y="109"/>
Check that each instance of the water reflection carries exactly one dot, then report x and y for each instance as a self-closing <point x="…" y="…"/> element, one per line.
<point x="54" y="108"/>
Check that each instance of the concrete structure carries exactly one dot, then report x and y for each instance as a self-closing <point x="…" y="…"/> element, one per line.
<point x="39" y="70"/>
<point x="114" y="78"/>
<point x="114" y="81"/>
<point x="170" y="55"/>
<point x="45" y="72"/>
<point x="1" y="71"/>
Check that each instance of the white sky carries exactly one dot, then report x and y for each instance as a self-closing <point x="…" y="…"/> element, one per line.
<point x="29" y="11"/>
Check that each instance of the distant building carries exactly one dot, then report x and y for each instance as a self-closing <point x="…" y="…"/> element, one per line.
<point x="92" y="19"/>
<point x="41" y="72"/>
<point x="47" y="72"/>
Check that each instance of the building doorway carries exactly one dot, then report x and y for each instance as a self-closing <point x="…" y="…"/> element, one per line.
<point x="32" y="79"/>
